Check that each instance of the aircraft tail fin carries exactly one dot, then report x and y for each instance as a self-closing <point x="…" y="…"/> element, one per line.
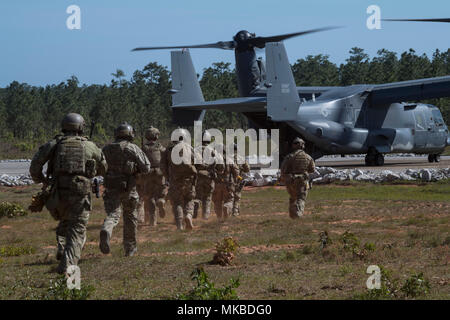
<point x="282" y="96"/>
<point x="185" y="88"/>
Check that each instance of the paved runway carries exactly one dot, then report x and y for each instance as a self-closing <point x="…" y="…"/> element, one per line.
<point x="391" y="163"/>
<point x="14" y="168"/>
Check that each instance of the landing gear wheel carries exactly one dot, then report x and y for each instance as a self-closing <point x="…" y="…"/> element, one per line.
<point x="437" y="158"/>
<point x="369" y="160"/>
<point x="431" y="158"/>
<point x="379" y="160"/>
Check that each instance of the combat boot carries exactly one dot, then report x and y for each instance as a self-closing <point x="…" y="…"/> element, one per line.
<point x="130" y="253"/>
<point x="162" y="211"/>
<point x="179" y="223"/>
<point x="188" y="221"/>
<point x="153" y="219"/>
<point x="59" y="254"/>
<point x="104" y="242"/>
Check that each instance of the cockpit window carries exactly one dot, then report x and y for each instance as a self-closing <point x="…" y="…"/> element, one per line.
<point x="420" y="121"/>
<point x="437" y="116"/>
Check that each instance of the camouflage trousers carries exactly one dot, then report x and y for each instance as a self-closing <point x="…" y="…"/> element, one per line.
<point x="73" y="211"/>
<point x="237" y="200"/>
<point x="152" y="191"/>
<point x="298" y="191"/>
<point x="127" y="202"/>
<point x="182" y="195"/>
<point x="203" y="193"/>
<point x="223" y="198"/>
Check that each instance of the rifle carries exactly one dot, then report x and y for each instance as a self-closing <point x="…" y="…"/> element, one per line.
<point x="38" y="200"/>
<point x="92" y="130"/>
<point x="96" y="188"/>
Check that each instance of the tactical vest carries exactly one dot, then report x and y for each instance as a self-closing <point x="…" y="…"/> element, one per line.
<point x="299" y="162"/>
<point x="181" y="170"/>
<point x="70" y="157"/>
<point x="117" y="158"/>
<point x="203" y="167"/>
<point x="153" y="153"/>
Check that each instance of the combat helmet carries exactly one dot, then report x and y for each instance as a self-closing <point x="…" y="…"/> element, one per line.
<point x="72" y="122"/>
<point x="152" y="133"/>
<point x="183" y="135"/>
<point x="298" y="143"/>
<point x="207" y="136"/>
<point x="124" y="131"/>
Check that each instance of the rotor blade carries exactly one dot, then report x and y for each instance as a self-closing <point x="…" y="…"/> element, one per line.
<point x="226" y="45"/>
<point x="260" y="42"/>
<point x="421" y="20"/>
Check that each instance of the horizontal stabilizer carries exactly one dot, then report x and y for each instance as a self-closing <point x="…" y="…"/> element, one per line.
<point x="247" y="104"/>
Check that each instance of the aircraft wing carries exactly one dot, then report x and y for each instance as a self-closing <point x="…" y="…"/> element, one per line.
<point x="247" y="104"/>
<point x="311" y="90"/>
<point x="301" y="90"/>
<point x="413" y="90"/>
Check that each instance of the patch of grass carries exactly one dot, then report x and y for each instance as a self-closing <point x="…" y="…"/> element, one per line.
<point x="415" y="286"/>
<point x="58" y="290"/>
<point x="11" y="210"/>
<point x="307" y="249"/>
<point x="165" y="259"/>
<point x="206" y="289"/>
<point x="388" y="288"/>
<point x="345" y="270"/>
<point x="446" y="241"/>
<point x="13" y="251"/>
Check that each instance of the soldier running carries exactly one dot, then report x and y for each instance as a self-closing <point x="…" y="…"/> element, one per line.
<point x="72" y="162"/>
<point x="125" y="161"/>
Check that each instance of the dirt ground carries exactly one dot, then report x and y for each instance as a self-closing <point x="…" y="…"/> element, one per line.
<point x="402" y="228"/>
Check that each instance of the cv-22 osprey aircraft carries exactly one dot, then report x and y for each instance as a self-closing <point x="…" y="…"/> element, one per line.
<point x="357" y="119"/>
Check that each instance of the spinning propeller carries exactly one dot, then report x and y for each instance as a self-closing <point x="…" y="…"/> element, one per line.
<point x="242" y="40"/>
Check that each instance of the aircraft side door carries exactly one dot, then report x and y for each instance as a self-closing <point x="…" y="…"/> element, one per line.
<point x="432" y="138"/>
<point x="421" y="129"/>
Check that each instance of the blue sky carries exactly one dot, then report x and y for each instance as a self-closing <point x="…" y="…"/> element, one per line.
<point x="37" y="48"/>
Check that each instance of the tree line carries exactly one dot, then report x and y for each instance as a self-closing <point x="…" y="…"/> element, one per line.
<point x="32" y="114"/>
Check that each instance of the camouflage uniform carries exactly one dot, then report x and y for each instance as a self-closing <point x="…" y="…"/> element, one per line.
<point x="182" y="181"/>
<point x="125" y="161"/>
<point x="205" y="180"/>
<point x="223" y="196"/>
<point x="154" y="185"/>
<point x="294" y="172"/>
<point x="72" y="162"/>
<point x="239" y="185"/>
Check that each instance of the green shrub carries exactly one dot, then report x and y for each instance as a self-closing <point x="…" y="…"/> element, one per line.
<point x="350" y="241"/>
<point x="58" y="291"/>
<point x="25" y="146"/>
<point x="415" y="286"/>
<point x="11" y="210"/>
<point x="206" y="290"/>
<point x="324" y="239"/>
<point x="225" y="251"/>
<point x="388" y="288"/>
<point x="11" y="251"/>
<point x="369" y="246"/>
